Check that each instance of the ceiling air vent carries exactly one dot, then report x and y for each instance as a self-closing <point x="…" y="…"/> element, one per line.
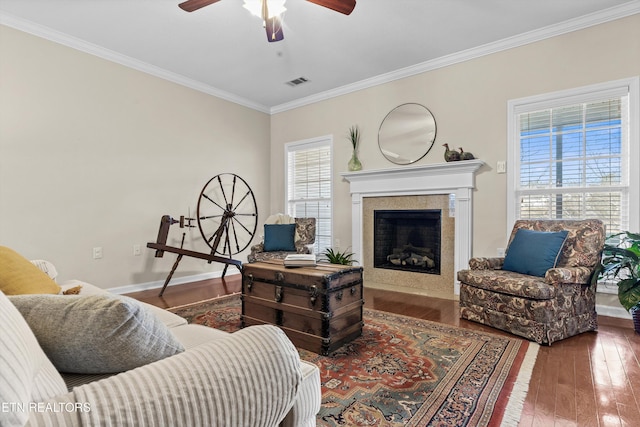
<point x="298" y="81"/>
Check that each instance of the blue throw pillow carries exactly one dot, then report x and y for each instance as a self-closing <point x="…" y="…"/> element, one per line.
<point x="279" y="237"/>
<point x="534" y="252"/>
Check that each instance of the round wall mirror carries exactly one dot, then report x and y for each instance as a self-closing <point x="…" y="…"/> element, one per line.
<point x="407" y="134"/>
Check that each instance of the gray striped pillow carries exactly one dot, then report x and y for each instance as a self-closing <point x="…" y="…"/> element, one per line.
<point x="26" y="375"/>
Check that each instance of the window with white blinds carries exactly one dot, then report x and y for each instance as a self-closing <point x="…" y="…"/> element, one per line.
<point x="572" y="156"/>
<point x="309" y="185"/>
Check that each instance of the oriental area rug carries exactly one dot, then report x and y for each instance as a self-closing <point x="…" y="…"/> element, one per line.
<point x="404" y="371"/>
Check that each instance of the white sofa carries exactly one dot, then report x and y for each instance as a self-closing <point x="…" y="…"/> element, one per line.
<point x="253" y="377"/>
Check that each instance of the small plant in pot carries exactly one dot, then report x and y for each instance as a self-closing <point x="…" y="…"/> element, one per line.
<point x="337" y="257"/>
<point x="621" y="265"/>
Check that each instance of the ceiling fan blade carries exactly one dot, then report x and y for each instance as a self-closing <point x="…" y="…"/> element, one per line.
<point x="342" y="6"/>
<point x="274" y="29"/>
<point x="191" y="5"/>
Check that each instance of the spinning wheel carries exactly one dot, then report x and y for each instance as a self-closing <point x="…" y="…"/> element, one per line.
<point x="227" y="214"/>
<point x="227" y="217"/>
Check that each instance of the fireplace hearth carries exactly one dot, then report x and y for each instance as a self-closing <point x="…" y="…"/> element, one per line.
<point x="407" y="240"/>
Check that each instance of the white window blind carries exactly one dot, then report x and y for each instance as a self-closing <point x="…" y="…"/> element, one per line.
<point x="309" y="186"/>
<point x="572" y="163"/>
<point x="575" y="155"/>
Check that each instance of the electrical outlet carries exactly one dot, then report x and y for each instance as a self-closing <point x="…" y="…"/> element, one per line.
<point x="336" y="243"/>
<point x="136" y="250"/>
<point x="97" y="252"/>
<point x="500" y="251"/>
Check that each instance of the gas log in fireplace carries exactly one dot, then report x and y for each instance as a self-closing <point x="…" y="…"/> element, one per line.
<point x="407" y="240"/>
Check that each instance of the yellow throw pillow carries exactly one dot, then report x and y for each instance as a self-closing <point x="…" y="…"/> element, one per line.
<point x="18" y="276"/>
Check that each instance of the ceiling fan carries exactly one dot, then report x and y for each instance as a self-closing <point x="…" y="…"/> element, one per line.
<point x="272" y="20"/>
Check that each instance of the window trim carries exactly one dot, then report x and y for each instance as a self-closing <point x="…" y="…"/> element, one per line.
<point x="310" y="143"/>
<point x="630" y="86"/>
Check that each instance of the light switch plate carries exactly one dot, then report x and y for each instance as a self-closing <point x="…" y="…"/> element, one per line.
<point x="501" y="167"/>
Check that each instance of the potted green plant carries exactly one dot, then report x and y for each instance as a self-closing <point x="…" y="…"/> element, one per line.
<point x="337" y="257"/>
<point x="621" y="265"/>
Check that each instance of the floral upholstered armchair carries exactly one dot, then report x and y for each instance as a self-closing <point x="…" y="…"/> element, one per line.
<point x="297" y="235"/>
<point x="542" y="289"/>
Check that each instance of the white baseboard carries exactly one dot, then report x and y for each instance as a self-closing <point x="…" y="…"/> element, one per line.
<point x="607" y="310"/>
<point x="174" y="281"/>
<point x="607" y="304"/>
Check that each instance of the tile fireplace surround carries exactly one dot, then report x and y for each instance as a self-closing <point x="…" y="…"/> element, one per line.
<point x="456" y="178"/>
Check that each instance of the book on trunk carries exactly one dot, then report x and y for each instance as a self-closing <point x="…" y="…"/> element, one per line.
<point x="300" y="260"/>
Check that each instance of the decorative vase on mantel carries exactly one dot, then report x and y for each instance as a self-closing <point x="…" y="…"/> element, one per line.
<point x="354" y="163"/>
<point x="354" y="138"/>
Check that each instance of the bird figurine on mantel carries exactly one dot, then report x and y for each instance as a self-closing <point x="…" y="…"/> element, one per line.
<point x="450" y="155"/>
<point x="465" y="155"/>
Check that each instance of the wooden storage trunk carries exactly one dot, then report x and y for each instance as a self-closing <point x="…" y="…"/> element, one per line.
<point x="319" y="308"/>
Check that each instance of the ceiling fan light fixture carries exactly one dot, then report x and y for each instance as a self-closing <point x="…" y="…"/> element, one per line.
<point x="274" y="7"/>
<point x="270" y="11"/>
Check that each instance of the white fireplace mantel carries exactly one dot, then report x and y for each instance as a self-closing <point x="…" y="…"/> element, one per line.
<point x="456" y="178"/>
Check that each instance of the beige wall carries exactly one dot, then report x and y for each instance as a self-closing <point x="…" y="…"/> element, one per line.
<point x="93" y="153"/>
<point x="469" y="102"/>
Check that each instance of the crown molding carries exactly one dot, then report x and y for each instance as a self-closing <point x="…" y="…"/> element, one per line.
<point x="601" y="17"/>
<point x="611" y="14"/>
<point x="92" y="49"/>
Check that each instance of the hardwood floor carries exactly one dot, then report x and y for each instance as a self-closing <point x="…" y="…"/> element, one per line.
<point x="592" y="379"/>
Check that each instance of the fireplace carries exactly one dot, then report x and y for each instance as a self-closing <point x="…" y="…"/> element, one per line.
<point x="407" y="240"/>
<point x="383" y="189"/>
